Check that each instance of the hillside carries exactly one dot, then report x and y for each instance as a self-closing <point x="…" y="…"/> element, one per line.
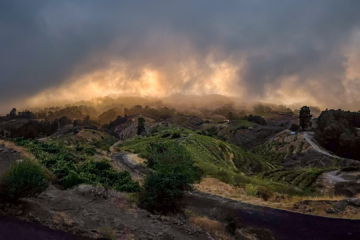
<point x="210" y="154"/>
<point x="224" y="161"/>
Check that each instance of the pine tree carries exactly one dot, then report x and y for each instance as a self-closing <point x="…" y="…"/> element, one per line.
<point x="305" y="117"/>
<point x="141" y="126"/>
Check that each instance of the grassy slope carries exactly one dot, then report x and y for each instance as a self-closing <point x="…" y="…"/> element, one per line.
<point x="226" y="162"/>
<point x="208" y="153"/>
<point x="80" y="158"/>
<point x="84" y="137"/>
<point x="278" y="149"/>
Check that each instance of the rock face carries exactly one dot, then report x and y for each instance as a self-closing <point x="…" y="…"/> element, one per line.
<point x="354" y="201"/>
<point x="348" y="189"/>
<point x="7" y="157"/>
<point x="341" y="205"/>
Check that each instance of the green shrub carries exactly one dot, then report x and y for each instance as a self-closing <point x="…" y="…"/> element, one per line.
<point x="91" y="172"/>
<point x="23" y="179"/>
<point x="251" y="190"/>
<point x="173" y="173"/>
<point x="90" y="151"/>
<point x="72" y="169"/>
<point x="175" y="135"/>
<point x="165" y="135"/>
<point x="21" y="141"/>
<point x="79" y="147"/>
<point x="72" y="179"/>
<point x="225" y="176"/>
<point x="240" y="179"/>
<point x="264" y="192"/>
<point x="171" y="156"/>
<point x="163" y="192"/>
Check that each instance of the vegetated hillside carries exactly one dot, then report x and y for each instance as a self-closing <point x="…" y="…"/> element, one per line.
<point x="186" y="121"/>
<point x="298" y="164"/>
<point x="126" y="127"/>
<point x="71" y="157"/>
<point x="72" y="112"/>
<point x="109" y="115"/>
<point x="252" y="137"/>
<point x="27" y="128"/>
<point x="224" y="161"/>
<point x="210" y="154"/>
<point x="85" y="136"/>
<point x="226" y="130"/>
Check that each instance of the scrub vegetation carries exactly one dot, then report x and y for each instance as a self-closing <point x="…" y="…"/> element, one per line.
<point x="73" y="165"/>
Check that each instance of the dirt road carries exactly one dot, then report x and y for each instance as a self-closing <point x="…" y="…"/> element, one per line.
<point x="126" y="160"/>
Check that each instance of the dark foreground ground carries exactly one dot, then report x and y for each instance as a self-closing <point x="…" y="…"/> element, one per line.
<point x="268" y="223"/>
<point x="15" y="229"/>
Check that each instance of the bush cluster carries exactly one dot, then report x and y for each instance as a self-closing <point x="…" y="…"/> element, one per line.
<point x="173" y="173"/>
<point x="256" y="119"/>
<point x="23" y="179"/>
<point x="72" y="169"/>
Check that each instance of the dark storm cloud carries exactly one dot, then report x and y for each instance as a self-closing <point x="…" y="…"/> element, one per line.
<point x="43" y="43"/>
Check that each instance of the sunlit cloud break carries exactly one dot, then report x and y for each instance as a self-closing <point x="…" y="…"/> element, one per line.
<point x="281" y="51"/>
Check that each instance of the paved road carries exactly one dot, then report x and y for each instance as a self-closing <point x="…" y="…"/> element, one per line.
<point x="15" y="229"/>
<point x="283" y="225"/>
<point x="308" y="138"/>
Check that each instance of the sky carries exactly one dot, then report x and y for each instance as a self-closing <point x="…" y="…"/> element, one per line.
<point x="279" y="51"/>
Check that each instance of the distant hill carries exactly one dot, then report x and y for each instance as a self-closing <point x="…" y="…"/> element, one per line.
<point x="71" y="112"/>
<point x="194" y="100"/>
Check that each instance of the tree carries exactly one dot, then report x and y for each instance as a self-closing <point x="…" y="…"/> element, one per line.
<point x="231" y="116"/>
<point x="173" y="173"/>
<point x="63" y="121"/>
<point x="86" y="121"/>
<point x="294" y="127"/>
<point x="305" y="117"/>
<point x="13" y="112"/>
<point x="141" y="126"/>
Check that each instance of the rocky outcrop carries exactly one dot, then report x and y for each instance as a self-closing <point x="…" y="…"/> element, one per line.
<point x="97" y="212"/>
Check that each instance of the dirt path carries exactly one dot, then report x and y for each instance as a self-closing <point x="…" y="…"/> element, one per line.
<point x="125" y="159"/>
<point x="308" y="138"/>
<point x="268" y="223"/>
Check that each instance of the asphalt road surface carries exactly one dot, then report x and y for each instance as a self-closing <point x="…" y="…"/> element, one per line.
<point x="15" y="229"/>
<point x="283" y="225"/>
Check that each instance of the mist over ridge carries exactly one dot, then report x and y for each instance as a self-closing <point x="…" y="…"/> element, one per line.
<point x="278" y="52"/>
